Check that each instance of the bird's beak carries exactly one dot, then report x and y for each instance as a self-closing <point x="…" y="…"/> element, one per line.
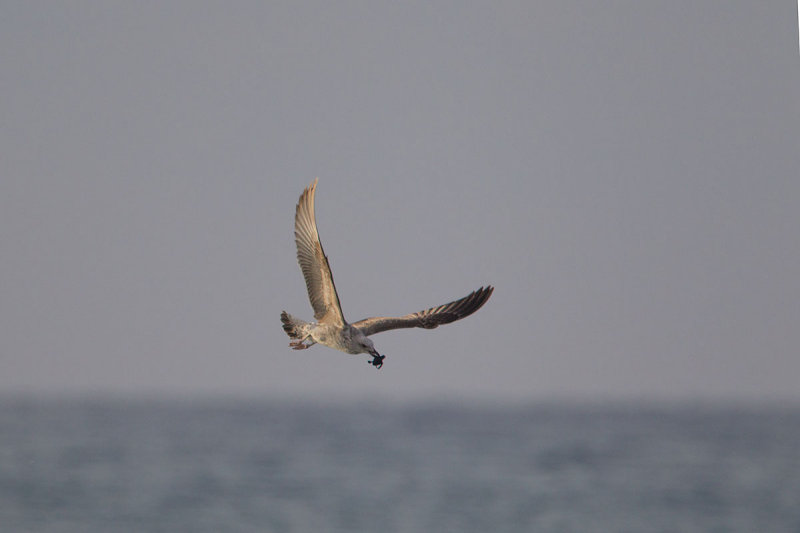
<point x="374" y="353"/>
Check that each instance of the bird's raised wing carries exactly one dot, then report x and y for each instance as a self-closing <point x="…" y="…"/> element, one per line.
<point x="314" y="262"/>
<point x="429" y="318"/>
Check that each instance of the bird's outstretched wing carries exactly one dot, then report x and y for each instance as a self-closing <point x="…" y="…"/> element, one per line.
<point x="430" y="318"/>
<point x="314" y="262"/>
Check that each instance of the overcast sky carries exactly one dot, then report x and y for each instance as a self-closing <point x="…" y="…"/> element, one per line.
<point x="624" y="173"/>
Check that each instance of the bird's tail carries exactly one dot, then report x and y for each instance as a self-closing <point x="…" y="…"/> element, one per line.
<point x="294" y="327"/>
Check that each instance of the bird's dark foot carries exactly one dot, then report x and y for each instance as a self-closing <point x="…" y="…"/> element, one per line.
<point x="377" y="360"/>
<point x="298" y="345"/>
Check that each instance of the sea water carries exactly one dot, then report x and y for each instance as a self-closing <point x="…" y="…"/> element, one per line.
<point x="102" y="465"/>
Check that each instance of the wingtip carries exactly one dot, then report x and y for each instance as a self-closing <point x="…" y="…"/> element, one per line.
<point x="487" y="291"/>
<point x="483" y="294"/>
<point x="307" y="197"/>
<point x="310" y="188"/>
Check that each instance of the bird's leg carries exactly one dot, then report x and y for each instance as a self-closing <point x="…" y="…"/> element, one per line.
<point x="301" y="344"/>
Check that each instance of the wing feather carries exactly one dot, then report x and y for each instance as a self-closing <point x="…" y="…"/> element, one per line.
<point x="314" y="263"/>
<point x="429" y="318"/>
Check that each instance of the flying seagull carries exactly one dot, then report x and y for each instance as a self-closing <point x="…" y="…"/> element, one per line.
<point x="331" y="329"/>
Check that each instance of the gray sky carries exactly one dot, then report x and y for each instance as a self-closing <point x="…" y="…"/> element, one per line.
<point x="625" y="174"/>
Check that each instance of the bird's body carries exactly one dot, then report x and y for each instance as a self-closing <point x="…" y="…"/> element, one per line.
<point x="344" y="338"/>
<point x="331" y="328"/>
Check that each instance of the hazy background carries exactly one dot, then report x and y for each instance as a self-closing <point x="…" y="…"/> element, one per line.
<point x="625" y="174"/>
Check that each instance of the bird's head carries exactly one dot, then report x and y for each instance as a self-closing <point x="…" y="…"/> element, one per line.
<point x="366" y="345"/>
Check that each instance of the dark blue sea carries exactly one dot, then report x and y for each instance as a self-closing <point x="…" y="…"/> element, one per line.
<point x="101" y="465"/>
